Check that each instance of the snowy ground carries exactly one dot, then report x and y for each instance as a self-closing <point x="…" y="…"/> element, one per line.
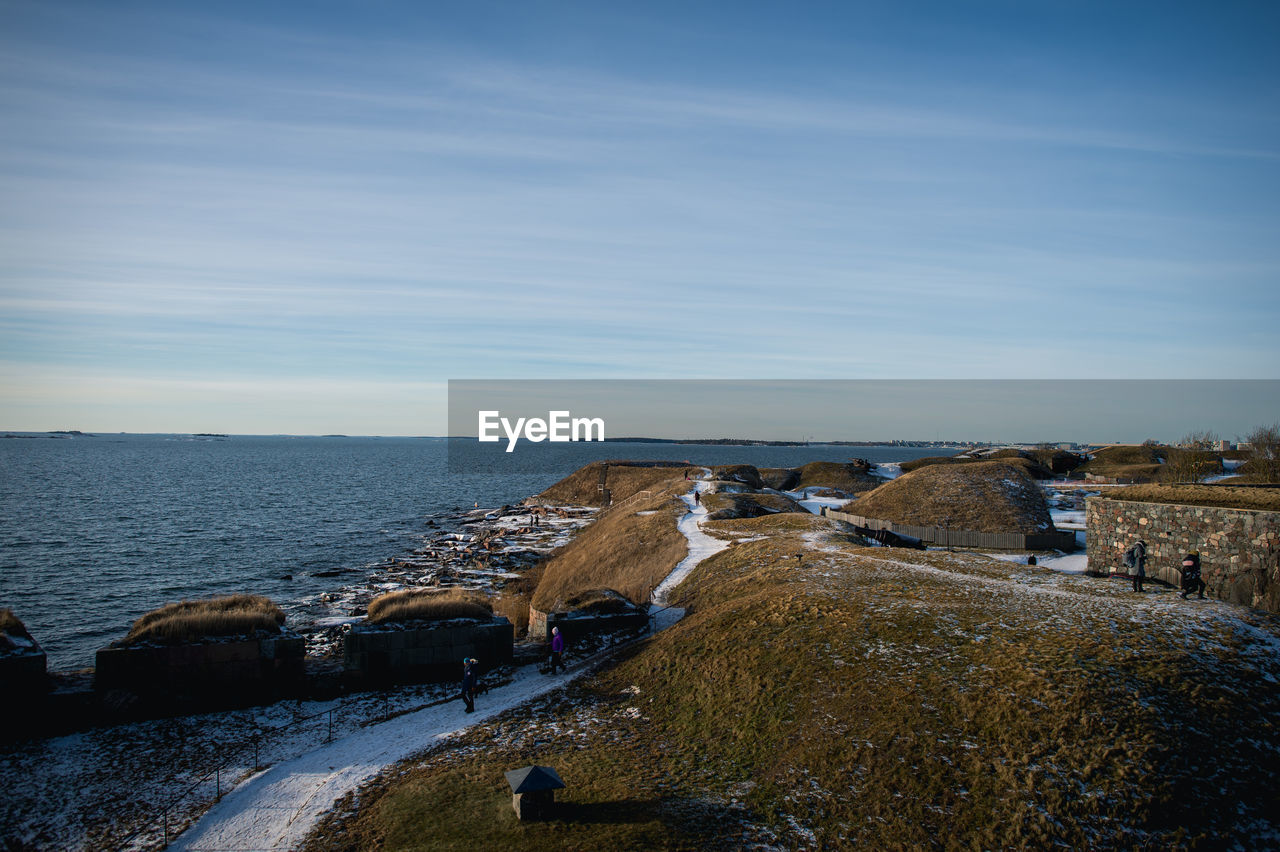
<point x="806" y="497"/>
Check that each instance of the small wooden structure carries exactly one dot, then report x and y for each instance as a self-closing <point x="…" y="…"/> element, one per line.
<point x="533" y="791"/>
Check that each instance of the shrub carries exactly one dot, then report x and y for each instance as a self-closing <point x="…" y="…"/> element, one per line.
<point x="192" y="621"/>
<point x="429" y="605"/>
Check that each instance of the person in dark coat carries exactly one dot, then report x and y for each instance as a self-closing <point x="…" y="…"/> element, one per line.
<point x="469" y="679"/>
<point x="557" y="650"/>
<point x="1138" y="570"/>
<point x="1191" y="581"/>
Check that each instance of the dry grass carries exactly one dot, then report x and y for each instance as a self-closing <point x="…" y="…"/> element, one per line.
<point x="746" y="505"/>
<point x="193" y="621"/>
<point x="860" y="699"/>
<point x="582" y="487"/>
<point x="1264" y="499"/>
<point x="429" y="605"/>
<point x="599" y="602"/>
<point x="779" y="478"/>
<point x="1141" y="463"/>
<point x="11" y="626"/>
<point x="1018" y="458"/>
<point x="515" y="597"/>
<point x="746" y="474"/>
<point x="992" y="496"/>
<point x="847" y="477"/>
<point x="629" y="550"/>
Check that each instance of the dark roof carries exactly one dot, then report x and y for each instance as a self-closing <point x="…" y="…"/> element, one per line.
<point x="531" y="779"/>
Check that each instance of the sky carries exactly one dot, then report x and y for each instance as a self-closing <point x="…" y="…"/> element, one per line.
<point x="308" y="218"/>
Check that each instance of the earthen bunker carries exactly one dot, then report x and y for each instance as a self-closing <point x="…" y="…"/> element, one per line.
<point x="425" y="651"/>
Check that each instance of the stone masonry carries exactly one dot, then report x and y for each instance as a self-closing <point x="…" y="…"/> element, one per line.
<point x="1239" y="548"/>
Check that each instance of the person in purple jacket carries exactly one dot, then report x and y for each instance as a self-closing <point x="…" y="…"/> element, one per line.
<point x="557" y="649"/>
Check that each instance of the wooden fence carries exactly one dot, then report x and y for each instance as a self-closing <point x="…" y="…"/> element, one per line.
<point x="944" y="537"/>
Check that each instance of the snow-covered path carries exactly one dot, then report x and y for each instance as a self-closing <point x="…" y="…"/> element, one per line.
<point x="701" y="545"/>
<point x="278" y="807"/>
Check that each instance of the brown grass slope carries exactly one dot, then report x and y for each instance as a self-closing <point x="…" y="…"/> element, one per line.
<point x="1139" y="462"/>
<point x="745" y="474"/>
<point x="851" y="478"/>
<point x="429" y="605"/>
<point x="1264" y="499"/>
<point x="1018" y="458"/>
<point x="12" y="626"/>
<point x="779" y="478"/>
<point x="192" y="621"/>
<point x="746" y="505"/>
<point x="992" y="496"/>
<point x="581" y="488"/>
<point x="629" y="549"/>
<point x="860" y="698"/>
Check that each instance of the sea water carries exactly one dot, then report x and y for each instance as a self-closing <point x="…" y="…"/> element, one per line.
<point x="95" y="531"/>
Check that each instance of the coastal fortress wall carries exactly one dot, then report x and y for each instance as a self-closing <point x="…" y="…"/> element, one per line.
<point x="427" y="653"/>
<point x="1239" y="548"/>
<point x="234" y="670"/>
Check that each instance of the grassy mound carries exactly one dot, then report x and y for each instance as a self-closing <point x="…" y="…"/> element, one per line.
<point x="746" y="474"/>
<point x="779" y="478"/>
<point x="11" y="628"/>
<point x="629" y="549"/>
<point x="858" y="699"/>
<point x="849" y="477"/>
<point x="193" y="621"/>
<point x="600" y="602"/>
<point x="1140" y="463"/>
<point x="727" y="505"/>
<point x="1024" y="459"/>
<point x="582" y="487"/>
<point x="916" y="464"/>
<point x="429" y="605"/>
<point x="991" y="496"/>
<point x="1264" y="499"/>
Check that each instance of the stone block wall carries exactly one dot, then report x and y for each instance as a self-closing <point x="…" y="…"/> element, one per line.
<point x="574" y="626"/>
<point x="236" y="669"/>
<point x="1239" y="548"/>
<point x="425" y="652"/>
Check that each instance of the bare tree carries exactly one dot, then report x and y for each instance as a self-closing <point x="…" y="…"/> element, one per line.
<point x="1264" y="454"/>
<point x="1193" y="460"/>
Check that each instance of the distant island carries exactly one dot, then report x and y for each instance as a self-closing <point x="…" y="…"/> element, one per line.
<point x="747" y="442"/>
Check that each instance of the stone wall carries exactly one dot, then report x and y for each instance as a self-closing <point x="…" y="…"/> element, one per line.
<point x="1239" y="548"/>
<point x="574" y="626"/>
<point x="239" y="669"/>
<point x="425" y="652"/>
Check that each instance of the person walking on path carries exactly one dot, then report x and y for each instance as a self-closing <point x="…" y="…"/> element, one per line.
<point x="557" y="650"/>
<point x="697" y="498"/>
<point x="469" y="678"/>
<point x="1191" y="581"/>
<point x="1135" y="558"/>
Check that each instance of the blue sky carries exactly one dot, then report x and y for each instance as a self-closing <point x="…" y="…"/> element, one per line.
<point x="306" y="218"/>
